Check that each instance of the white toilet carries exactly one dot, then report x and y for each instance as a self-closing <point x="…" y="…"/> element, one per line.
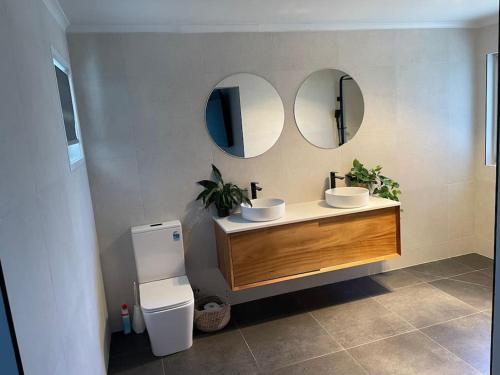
<point x="167" y="300"/>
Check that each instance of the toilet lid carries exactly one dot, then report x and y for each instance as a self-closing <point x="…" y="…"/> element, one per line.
<point x="165" y="294"/>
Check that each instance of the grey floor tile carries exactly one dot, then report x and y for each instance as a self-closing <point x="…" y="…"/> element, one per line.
<point x="289" y="340"/>
<point x="475" y="295"/>
<point x="339" y="363"/>
<point x="129" y="344"/>
<point x="224" y="353"/>
<point x="130" y="360"/>
<point x="477" y="277"/>
<point x="396" y="279"/>
<point x="423" y="305"/>
<point x="469" y="338"/>
<point x="360" y="322"/>
<point x="475" y="261"/>
<point x="151" y="368"/>
<point x="439" y="269"/>
<point x="286" y="339"/>
<point x="409" y="354"/>
<point x="368" y="287"/>
<point x="333" y="294"/>
<point x="262" y="310"/>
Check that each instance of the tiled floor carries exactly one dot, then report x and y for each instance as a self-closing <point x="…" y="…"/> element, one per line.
<point x="428" y="319"/>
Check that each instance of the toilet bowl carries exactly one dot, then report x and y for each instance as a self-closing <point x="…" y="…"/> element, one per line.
<point x="166" y="297"/>
<point x="168" y="308"/>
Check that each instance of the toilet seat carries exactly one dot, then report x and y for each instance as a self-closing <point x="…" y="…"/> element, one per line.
<point x="165" y="294"/>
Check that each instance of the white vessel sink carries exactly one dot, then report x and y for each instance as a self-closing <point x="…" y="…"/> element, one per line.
<point x="265" y="209"/>
<point x="347" y="197"/>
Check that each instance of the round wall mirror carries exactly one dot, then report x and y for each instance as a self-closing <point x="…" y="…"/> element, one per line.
<point x="329" y="108"/>
<point x="244" y="115"/>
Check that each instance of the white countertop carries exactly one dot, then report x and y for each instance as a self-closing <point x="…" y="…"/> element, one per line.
<point x="298" y="212"/>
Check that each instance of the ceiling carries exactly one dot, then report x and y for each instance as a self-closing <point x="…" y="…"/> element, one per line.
<point x="274" y="15"/>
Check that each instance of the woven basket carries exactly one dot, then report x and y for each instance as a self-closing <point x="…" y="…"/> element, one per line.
<point x="211" y="321"/>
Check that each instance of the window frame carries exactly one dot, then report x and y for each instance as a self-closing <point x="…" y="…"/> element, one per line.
<point x="76" y="156"/>
<point x="491" y="110"/>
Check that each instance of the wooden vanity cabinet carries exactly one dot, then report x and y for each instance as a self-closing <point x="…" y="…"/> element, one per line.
<point x="264" y="256"/>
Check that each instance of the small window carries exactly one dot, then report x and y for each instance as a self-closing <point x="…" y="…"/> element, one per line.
<point x="491" y="108"/>
<point x="69" y="114"/>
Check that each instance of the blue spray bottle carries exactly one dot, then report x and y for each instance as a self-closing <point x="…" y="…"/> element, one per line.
<point x="125" y="319"/>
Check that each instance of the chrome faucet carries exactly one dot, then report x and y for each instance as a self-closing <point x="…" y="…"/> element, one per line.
<point x="333" y="180"/>
<point x="255" y="188"/>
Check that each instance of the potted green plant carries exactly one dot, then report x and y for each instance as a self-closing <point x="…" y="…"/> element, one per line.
<point x="361" y="176"/>
<point x="224" y="195"/>
<point x="373" y="180"/>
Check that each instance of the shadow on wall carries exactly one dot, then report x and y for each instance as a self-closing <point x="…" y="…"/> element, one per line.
<point x="200" y="250"/>
<point x="118" y="258"/>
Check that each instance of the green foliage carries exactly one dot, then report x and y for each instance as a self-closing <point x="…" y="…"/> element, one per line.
<point x="387" y="188"/>
<point x="224" y="195"/>
<point x="377" y="183"/>
<point x="359" y="175"/>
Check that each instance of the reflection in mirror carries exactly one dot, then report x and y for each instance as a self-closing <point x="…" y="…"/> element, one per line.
<point x="329" y="108"/>
<point x="244" y="115"/>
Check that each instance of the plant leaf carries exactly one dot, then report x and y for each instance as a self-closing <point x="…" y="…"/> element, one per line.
<point x="207" y="184"/>
<point x="223" y="195"/>
<point x="202" y="195"/>
<point x="217" y="174"/>
<point x="211" y="195"/>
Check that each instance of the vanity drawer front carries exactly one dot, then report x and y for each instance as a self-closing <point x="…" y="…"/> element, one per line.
<point x="354" y="238"/>
<point x="265" y="256"/>
<point x="274" y="252"/>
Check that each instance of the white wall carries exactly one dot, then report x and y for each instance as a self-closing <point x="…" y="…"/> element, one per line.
<point x="486" y="41"/>
<point x="142" y="99"/>
<point x="47" y="234"/>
